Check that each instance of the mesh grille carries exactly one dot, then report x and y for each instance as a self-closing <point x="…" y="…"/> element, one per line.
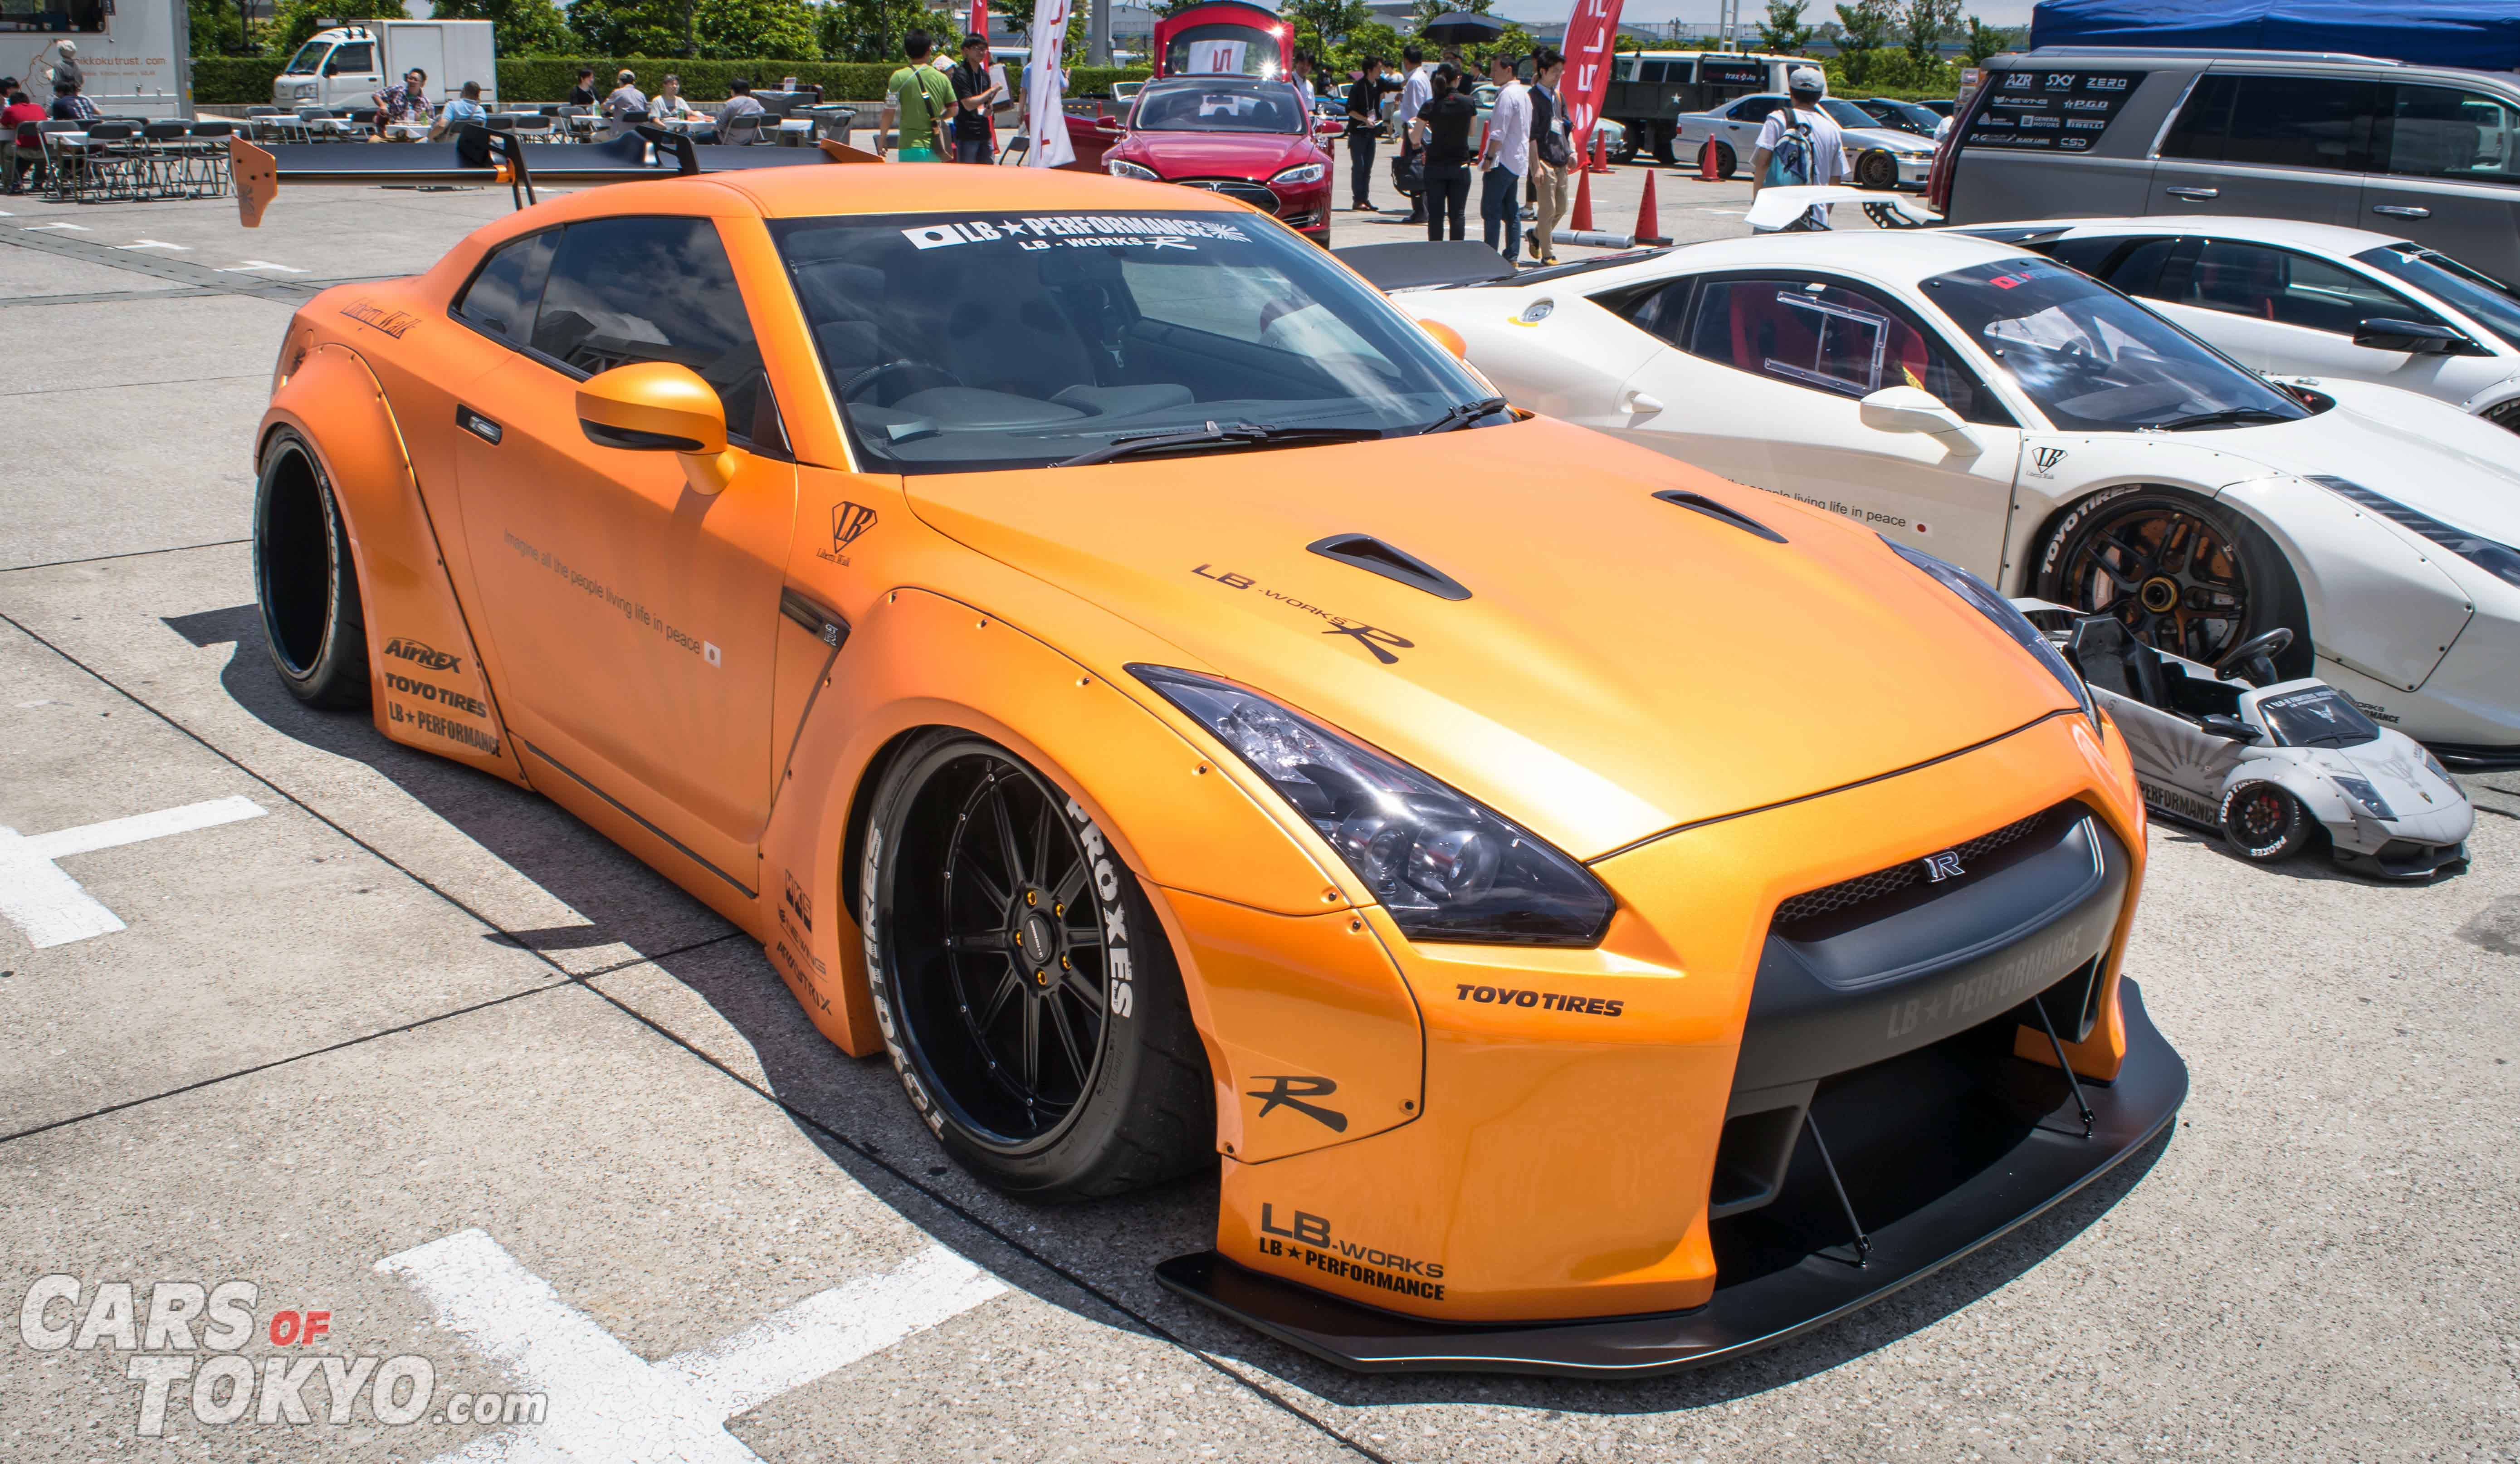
<point x="1846" y="894"/>
<point x="1257" y="195"/>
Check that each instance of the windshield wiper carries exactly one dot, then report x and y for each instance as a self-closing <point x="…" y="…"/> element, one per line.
<point x="2227" y="416"/>
<point x="1463" y="415"/>
<point x="1215" y="434"/>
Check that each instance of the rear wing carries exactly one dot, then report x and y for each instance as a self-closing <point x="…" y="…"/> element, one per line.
<point x="478" y="157"/>
<point x="1419" y="264"/>
<point x="1781" y="204"/>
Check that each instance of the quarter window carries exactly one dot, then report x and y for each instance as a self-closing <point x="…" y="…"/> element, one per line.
<point x="628" y="290"/>
<point x="2442" y="132"/>
<point x="1829" y="339"/>
<point x="499" y="302"/>
<point x="2287" y="288"/>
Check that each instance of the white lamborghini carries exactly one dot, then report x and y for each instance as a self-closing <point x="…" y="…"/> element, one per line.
<point x="2015" y="417"/>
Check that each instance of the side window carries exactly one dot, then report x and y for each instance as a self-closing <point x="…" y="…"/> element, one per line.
<point x="2290" y="288"/>
<point x="2091" y="256"/>
<point x="501" y="299"/>
<point x="2204" y="122"/>
<point x="1754" y="108"/>
<point x="2303" y="122"/>
<point x="1660" y="311"/>
<point x="352" y="59"/>
<point x="2442" y="132"/>
<point x="2132" y="266"/>
<point x="628" y="290"/>
<point x="1829" y="338"/>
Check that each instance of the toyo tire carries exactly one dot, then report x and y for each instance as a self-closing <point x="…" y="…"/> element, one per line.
<point x="2181" y="574"/>
<point x="2264" y="823"/>
<point x="314" y="622"/>
<point x="1026" y="993"/>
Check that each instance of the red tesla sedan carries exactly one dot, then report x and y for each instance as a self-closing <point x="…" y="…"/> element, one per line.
<point x="1244" y="137"/>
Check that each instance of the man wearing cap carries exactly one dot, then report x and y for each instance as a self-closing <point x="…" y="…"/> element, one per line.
<point x="1798" y="146"/>
<point x="626" y="98"/>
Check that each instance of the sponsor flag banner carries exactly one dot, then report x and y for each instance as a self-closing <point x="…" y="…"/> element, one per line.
<point x="1591" y="33"/>
<point x="1217" y="58"/>
<point x="1043" y="116"/>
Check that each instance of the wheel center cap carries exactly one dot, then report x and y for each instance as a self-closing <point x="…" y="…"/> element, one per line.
<point x="1035" y="936"/>
<point x="2159" y="594"/>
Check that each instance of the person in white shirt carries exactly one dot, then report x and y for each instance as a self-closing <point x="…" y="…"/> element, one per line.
<point x="1798" y="146"/>
<point x="1417" y="89"/>
<point x="1504" y="159"/>
<point x="1302" y="78"/>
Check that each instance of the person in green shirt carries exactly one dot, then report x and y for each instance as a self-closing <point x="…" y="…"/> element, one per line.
<point x="920" y="98"/>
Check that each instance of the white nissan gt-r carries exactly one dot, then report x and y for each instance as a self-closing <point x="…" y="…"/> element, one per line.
<point x="2015" y="417"/>
<point x="2312" y="300"/>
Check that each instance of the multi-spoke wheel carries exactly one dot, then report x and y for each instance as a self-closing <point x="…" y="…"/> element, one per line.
<point x="1877" y="170"/>
<point x="2183" y="575"/>
<point x="1031" y="1000"/>
<point x="2264" y="823"/>
<point x="306" y="581"/>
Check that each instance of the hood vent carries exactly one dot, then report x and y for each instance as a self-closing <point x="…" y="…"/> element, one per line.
<point x="1374" y="556"/>
<point x="1699" y="503"/>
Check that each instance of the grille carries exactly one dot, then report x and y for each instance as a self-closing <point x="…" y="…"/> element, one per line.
<point x="1242" y="191"/>
<point x="1846" y="894"/>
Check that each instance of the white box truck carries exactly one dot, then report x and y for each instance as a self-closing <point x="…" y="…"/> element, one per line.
<point x="132" y="58"/>
<point x="348" y="64"/>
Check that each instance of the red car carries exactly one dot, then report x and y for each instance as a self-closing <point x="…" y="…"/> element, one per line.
<point x="1240" y="136"/>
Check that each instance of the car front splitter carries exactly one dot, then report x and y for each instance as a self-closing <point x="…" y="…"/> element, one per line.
<point x="2049" y="1163"/>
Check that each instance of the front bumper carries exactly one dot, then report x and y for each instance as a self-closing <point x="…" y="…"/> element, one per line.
<point x="1777" y="1279"/>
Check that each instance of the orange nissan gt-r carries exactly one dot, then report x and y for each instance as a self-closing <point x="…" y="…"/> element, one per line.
<point x="1598" y="917"/>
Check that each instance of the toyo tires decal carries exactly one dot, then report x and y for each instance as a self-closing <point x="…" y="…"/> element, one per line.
<point x="2074" y="517"/>
<point x="1118" y="995"/>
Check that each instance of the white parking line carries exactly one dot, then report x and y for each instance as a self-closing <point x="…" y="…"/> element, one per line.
<point x="252" y="266"/>
<point x="152" y="244"/>
<point x="49" y="906"/>
<point x="31" y="228"/>
<point x="609" y="1405"/>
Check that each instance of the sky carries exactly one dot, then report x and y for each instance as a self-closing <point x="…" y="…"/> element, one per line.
<point x="1703" y="11"/>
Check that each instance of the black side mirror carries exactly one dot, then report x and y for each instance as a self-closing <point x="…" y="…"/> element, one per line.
<point x="2224" y="725"/>
<point x="2385" y="334"/>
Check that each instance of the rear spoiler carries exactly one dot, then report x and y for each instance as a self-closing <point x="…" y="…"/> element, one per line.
<point x="481" y="158"/>
<point x="1781" y="204"/>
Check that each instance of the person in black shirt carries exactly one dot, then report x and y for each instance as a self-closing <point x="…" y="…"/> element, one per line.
<point x="1364" y="103"/>
<point x="583" y="94"/>
<point x="1442" y="131"/>
<point x="974" y="95"/>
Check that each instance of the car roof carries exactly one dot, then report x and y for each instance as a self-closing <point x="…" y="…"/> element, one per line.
<point x="2318" y="239"/>
<point x="1900" y="257"/>
<point x="813" y="190"/>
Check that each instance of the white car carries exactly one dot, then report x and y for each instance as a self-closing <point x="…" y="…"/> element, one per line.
<point x="2012" y="415"/>
<point x="2272" y="765"/>
<point x="2309" y="300"/>
<point x="1879" y="157"/>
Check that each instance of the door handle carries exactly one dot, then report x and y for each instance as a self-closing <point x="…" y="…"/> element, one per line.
<point x="478" y="425"/>
<point x="1640" y="402"/>
<point x="2195" y="194"/>
<point x="2402" y="210"/>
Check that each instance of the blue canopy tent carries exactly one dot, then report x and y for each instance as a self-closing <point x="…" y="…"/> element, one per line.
<point x="2478" y="35"/>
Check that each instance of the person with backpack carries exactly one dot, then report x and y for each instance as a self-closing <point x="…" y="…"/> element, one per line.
<point x="1799" y="147"/>
<point x="920" y="98"/>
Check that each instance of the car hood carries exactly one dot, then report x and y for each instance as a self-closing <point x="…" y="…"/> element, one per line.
<point x="1217" y="155"/>
<point x="1622" y="665"/>
<point x="2425" y="454"/>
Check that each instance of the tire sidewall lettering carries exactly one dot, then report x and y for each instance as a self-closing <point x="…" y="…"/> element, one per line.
<point x="879" y="979"/>
<point x="2073" y="519"/>
<point x="1119" y="990"/>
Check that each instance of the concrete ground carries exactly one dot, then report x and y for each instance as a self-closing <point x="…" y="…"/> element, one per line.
<point x="387" y="1040"/>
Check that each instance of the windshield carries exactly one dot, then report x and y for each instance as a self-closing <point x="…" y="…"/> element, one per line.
<point x="1907" y="114"/>
<point x="1845" y="113"/>
<point x="2319" y="717"/>
<point x="309" y="57"/>
<point x="1218" y="104"/>
<point x="2495" y="306"/>
<point x="963" y="342"/>
<point x="2095" y="359"/>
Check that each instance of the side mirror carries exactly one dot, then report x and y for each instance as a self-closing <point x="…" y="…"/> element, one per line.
<point x="2224" y="725"/>
<point x="1909" y="409"/>
<point x="1446" y="337"/>
<point x="659" y="406"/>
<point x="2384" y="335"/>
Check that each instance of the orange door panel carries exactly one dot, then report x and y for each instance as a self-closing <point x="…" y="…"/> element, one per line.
<point x="636" y="620"/>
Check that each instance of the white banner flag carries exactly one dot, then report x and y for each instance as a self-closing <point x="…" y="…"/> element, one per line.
<point x="1044" y="118"/>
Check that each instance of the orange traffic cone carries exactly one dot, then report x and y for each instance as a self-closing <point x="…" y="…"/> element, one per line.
<point x="1582" y="221"/>
<point x="1649" y="227"/>
<point x="1706" y="172"/>
<point x="1600" y="153"/>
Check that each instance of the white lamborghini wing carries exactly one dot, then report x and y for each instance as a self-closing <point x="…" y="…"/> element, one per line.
<point x="1776" y="207"/>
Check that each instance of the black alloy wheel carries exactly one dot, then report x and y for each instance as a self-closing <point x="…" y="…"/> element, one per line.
<point x="2182" y="576"/>
<point x="1877" y="170"/>
<point x="1034" y="1010"/>
<point x="2264" y="823"/>
<point x="306" y="581"/>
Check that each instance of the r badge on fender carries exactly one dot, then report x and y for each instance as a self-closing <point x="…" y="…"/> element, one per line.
<point x="1291" y="1092"/>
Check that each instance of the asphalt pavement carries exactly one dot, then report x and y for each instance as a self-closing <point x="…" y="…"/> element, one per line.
<point x="375" y="1037"/>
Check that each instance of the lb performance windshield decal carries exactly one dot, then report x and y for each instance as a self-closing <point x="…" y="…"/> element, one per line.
<point x="1076" y="231"/>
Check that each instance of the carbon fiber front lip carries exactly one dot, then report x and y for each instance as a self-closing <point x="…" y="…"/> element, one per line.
<point x="2045" y="1167"/>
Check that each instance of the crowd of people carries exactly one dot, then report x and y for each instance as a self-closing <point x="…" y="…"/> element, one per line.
<point x="408" y="106"/>
<point x="1523" y="155"/>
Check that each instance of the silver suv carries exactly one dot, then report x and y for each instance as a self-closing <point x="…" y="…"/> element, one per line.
<point x="2426" y="153"/>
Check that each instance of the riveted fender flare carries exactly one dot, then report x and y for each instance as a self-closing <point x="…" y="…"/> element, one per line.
<point x="429" y="688"/>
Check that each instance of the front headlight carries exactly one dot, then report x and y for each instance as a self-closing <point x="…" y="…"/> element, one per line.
<point x="2433" y="766"/>
<point x="1121" y="168"/>
<point x="1982" y="596"/>
<point x="1446" y="866"/>
<point x="2362" y="792"/>
<point x="1309" y="172"/>
<point x="2500" y="560"/>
